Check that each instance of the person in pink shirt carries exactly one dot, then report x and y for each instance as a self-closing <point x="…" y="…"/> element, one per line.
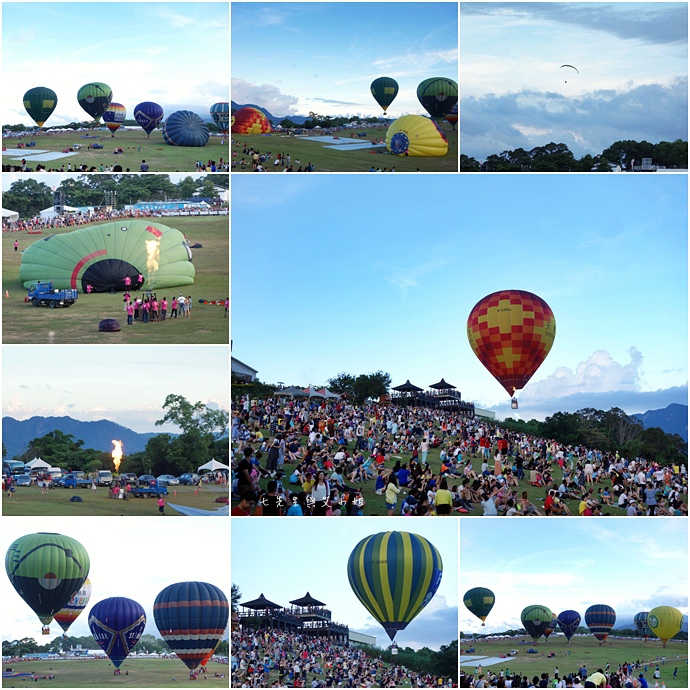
<point x="130" y="314"/>
<point x="173" y="313"/>
<point x="164" y="308"/>
<point x="154" y="310"/>
<point x="145" y="308"/>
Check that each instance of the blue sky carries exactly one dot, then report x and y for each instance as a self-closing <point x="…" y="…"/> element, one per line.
<point x="173" y="53"/>
<point x="632" y="83"/>
<point x="572" y="563"/>
<point x="321" y="569"/>
<point x="340" y="274"/>
<point x="293" y="58"/>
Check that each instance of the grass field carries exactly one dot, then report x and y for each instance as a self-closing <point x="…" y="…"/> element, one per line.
<point x="23" y="323"/>
<point x="98" y="673"/>
<point x="28" y="500"/>
<point x="334" y="160"/>
<point x="584" y="650"/>
<point x="160" y="156"/>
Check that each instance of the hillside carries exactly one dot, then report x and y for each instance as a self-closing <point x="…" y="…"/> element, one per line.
<point x="672" y="419"/>
<point x="274" y="119"/>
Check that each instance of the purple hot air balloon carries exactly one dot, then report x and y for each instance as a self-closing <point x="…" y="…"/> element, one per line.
<point x="117" y="624"/>
<point x="569" y="622"/>
<point x="149" y="115"/>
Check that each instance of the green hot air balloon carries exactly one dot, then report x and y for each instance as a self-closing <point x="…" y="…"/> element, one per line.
<point x="536" y="620"/>
<point x="394" y="575"/>
<point x="40" y="102"/>
<point x="665" y="622"/>
<point x="104" y="255"/>
<point x="46" y="570"/>
<point x="384" y="90"/>
<point x="479" y="601"/>
<point x="438" y="95"/>
<point x="94" y="98"/>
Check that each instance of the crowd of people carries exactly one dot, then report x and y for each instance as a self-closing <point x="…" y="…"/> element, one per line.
<point x="337" y="448"/>
<point x="68" y="220"/>
<point x="261" y="162"/>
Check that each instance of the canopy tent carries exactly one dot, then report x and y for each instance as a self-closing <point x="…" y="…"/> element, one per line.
<point x="10" y="216"/>
<point x="292" y="391"/>
<point x="327" y="394"/>
<point x="311" y="392"/>
<point x="37" y="464"/>
<point x="51" y="213"/>
<point x="212" y="466"/>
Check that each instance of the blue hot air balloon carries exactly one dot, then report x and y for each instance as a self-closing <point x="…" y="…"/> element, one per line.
<point x="220" y="112"/>
<point x="185" y="128"/>
<point x="192" y="617"/>
<point x="148" y="115"/>
<point x="569" y="622"/>
<point x="641" y="621"/>
<point x="117" y="624"/>
<point x="600" y="620"/>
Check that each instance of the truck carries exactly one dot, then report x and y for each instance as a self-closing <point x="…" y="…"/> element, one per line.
<point x="44" y="294"/>
<point x="75" y="479"/>
<point x="151" y="490"/>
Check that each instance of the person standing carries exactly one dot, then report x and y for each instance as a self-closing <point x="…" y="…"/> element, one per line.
<point x="16" y="245"/>
<point x="130" y="314"/>
<point x="164" y="308"/>
<point x="161" y="504"/>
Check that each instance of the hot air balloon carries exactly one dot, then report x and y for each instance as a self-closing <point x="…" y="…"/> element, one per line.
<point x="552" y="626"/>
<point x="536" y="619"/>
<point x="192" y="618"/>
<point x="148" y="115"/>
<point x="414" y="135"/>
<point x="394" y="575"/>
<point x="438" y="95"/>
<point x="113" y="116"/>
<point x="71" y="610"/>
<point x="569" y="67"/>
<point x="94" y="98"/>
<point x="479" y="601"/>
<point x="665" y="622"/>
<point x="452" y="117"/>
<point x="384" y="90"/>
<point x="569" y="622"/>
<point x="117" y="624"/>
<point x="220" y="112"/>
<point x="185" y="128"/>
<point x="103" y="255"/>
<point x="46" y="569"/>
<point x="40" y="102"/>
<point x="600" y="620"/>
<point x="250" y="121"/>
<point x="642" y="624"/>
<point x="511" y="332"/>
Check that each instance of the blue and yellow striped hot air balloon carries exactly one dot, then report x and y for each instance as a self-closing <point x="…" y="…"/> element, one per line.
<point x="600" y="620"/>
<point x="394" y="575"/>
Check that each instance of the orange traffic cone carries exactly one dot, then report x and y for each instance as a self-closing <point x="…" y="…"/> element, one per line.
<point x="174" y="492"/>
<point x="7" y="294"/>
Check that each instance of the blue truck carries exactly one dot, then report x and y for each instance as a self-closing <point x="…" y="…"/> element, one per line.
<point x="73" y="480"/>
<point x="149" y="491"/>
<point x="44" y="294"/>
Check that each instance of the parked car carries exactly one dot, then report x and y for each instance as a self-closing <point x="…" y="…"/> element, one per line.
<point x="129" y="477"/>
<point x="22" y="480"/>
<point x="168" y="479"/>
<point x="189" y="478"/>
<point x="146" y="479"/>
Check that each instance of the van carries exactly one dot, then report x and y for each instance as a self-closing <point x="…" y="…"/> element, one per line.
<point x="104" y="478"/>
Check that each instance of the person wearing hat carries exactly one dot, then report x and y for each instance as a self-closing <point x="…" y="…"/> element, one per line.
<point x="632" y="509"/>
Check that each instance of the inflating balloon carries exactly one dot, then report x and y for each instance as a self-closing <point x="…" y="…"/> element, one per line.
<point x="148" y="116"/>
<point x="569" y="622"/>
<point x="452" y="117"/>
<point x="40" y="102"/>
<point x="438" y="95"/>
<point x="511" y="332"/>
<point x="46" y="570"/>
<point x="113" y="116"/>
<point x="394" y="575"/>
<point x="220" y="112"/>
<point x="185" y="128"/>
<point x="117" y="624"/>
<point x="414" y="135"/>
<point x="536" y="620"/>
<point x="73" y="608"/>
<point x="479" y="601"/>
<point x="192" y="618"/>
<point x="250" y="121"/>
<point x="665" y="622"/>
<point x="384" y="90"/>
<point x="552" y="626"/>
<point x="642" y="624"/>
<point x="94" y="98"/>
<point x="600" y="620"/>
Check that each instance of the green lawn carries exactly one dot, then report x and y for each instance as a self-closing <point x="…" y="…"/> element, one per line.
<point x="334" y="160"/>
<point x="160" y="156"/>
<point x="23" y="323"/>
<point x="583" y="650"/>
<point x="28" y="500"/>
<point x="98" y="673"/>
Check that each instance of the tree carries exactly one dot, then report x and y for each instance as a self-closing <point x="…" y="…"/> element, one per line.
<point x="235" y="596"/>
<point x="287" y="123"/>
<point x="27" y="197"/>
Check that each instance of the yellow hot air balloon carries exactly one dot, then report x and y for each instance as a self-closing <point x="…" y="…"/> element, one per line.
<point x="414" y="135"/>
<point x="665" y="622"/>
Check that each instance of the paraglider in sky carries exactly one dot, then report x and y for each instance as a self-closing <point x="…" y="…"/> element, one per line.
<point x="665" y="622"/>
<point x="394" y="575"/>
<point x="148" y="116"/>
<point x="511" y="332"/>
<point x="94" y="98"/>
<point x="479" y="601"/>
<point x="384" y="90"/>
<point x="438" y="95"/>
<point x="642" y="624"/>
<point x="117" y="624"/>
<point x="113" y="116"/>
<point x="536" y="619"/>
<point x="71" y="610"/>
<point x="40" y="102"/>
<point x="185" y="128"/>
<point x="192" y="618"/>
<point x="220" y="112"/>
<point x="103" y="255"/>
<point x="569" y="67"/>
<point x="552" y="626"/>
<point x="600" y="620"/>
<point x="452" y="117"/>
<point x="46" y="570"/>
<point x="569" y="622"/>
<point x="250" y="121"/>
<point x="414" y="135"/>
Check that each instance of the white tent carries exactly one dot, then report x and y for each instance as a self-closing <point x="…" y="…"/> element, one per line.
<point x="36" y="464"/>
<point x="212" y="466"/>
<point x="50" y="211"/>
<point x="11" y="216"/>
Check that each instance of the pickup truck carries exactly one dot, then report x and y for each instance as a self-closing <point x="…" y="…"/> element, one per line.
<point x="74" y="479"/>
<point x="149" y="490"/>
<point x="42" y="294"/>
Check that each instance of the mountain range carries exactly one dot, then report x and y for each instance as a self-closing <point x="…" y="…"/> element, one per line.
<point x="673" y="419"/>
<point x="274" y="119"/>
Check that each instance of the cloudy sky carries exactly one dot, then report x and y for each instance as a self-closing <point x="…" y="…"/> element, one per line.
<point x="325" y="545"/>
<point x="173" y="53"/>
<point x="572" y="564"/>
<point x="632" y="83"/>
<point x="127" y="385"/>
<point x="384" y="278"/>
<point x="293" y="57"/>
<point x="158" y="564"/>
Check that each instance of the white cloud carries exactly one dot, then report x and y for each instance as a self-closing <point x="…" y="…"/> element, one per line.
<point x="265" y="95"/>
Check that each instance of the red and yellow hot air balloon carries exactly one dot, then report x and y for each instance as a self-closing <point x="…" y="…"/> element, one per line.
<point x="250" y="121"/>
<point x="511" y="332"/>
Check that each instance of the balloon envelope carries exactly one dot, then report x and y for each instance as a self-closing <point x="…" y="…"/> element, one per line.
<point x="438" y="95"/>
<point x="114" y="115"/>
<point x="73" y="608"/>
<point x="665" y="622"/>
<point x="600" y="620"/>
<point x="117" y="624"/>
<point x="148" y="115"/>
<point x="185" y="128"/>
<point x="569" y="622"/>
<point x="46" y="569"/>
<point x="536" y="619"/>
<point x="642" y="624"/>
<point x="479" y="601"/>
<point x="552" y="626"/>
<point x="250" y="121"/>
<point x="414" y="135"/>
<point x="511" y="333"/>
<point x="192" y="618"/>
<point x="452" y="116"/>
<point x="220" y="112"/>
<point x="384" y="90"/>
<point x="394" y="575"/>
<point x="94" y="98"/>
<point x="40" y="102"/>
